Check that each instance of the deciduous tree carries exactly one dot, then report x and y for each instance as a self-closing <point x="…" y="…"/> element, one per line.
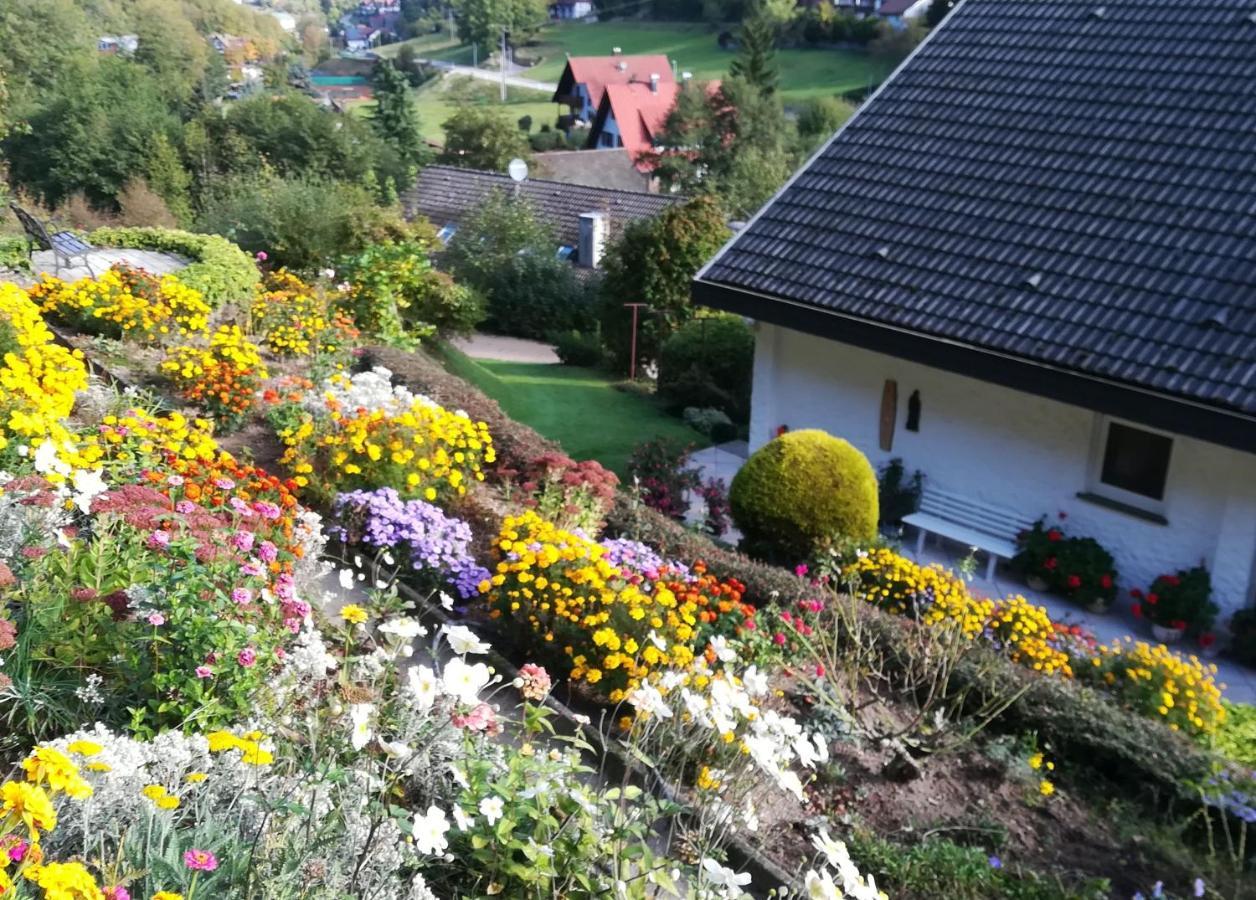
<point x="482" y="137"/>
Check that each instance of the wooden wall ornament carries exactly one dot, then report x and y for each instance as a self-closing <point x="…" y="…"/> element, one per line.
<point x="889" y="414"/>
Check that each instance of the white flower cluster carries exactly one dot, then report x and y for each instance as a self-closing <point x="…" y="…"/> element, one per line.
<point x="841" y="879"/>
<point x="371" y="390"/>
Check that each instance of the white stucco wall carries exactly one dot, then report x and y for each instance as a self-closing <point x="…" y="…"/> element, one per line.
<point x="1015" y="450"/>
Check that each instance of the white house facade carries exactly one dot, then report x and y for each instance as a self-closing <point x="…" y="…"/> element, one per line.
<point x="1052" y="308"/>
<point x="1032" y="454"/>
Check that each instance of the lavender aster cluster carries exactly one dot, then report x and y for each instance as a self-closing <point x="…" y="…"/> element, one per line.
<point x="635" y="557"/>
<point x="434" y="543"/>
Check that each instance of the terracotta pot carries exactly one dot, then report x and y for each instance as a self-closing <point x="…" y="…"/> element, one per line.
<point x="1035" y="582"/>
<point x="1167" y="635"/>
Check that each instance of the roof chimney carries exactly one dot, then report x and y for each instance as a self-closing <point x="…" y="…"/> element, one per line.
<point x="622" y="66"/>
<point x="616" y="51"/>
<point x="593" y="234"/>
<point x="654" y="83"/>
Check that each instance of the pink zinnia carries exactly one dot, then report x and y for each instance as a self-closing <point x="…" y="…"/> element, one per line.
<point x="252" y="569"/>
<point x="159" y="540"/>
<point x="156" y="620"/>
<point x="175" y="481"/>
<point x="118" y="892"/>
<point x="247" y="657"/>
<point x="185" y="507"/>
<point x="534" y="682"/>
<point x="18" y="851"/>
<point x="242" y="596"/>
<point x="242" y="540"/>
<point x="224" y="484"/>
<point x="204" y="672"/>
<point x="200" y="860"/>
<point x="268" y="552"/>
<point x="779" y="638"/>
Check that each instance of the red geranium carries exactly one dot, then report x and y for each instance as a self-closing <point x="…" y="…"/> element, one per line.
<point x="1152" y="598"/>
<point x="1054" y="535"/>
<point x="1074" y="582"/>
<point x="1105" y="581"/>
<point x="1137" y="610"/>
<point x="1049" y="563"/>
<point x="1207" y="639"/>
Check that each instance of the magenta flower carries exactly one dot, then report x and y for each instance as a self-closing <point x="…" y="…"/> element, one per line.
<point x="159" y="540"/>
<point x="224" y="484"/>
<point x="242" y="596"/>
<point x="18" y="851"/>
<point x="175" y="481"/>
<point x="117" y="892"/>
<point x="204" y="672"/>
<point x="185" y="507"/>
<point x="246" y="657"/>
<point x="268" y="552"/>
<point x="156" y="620"/>
<point x="241" y="507"/>
<point x="261" y="256"/>
<point x="200" y="860"/>
<point x="242" y="541"/>
<point x="253" y="569"/>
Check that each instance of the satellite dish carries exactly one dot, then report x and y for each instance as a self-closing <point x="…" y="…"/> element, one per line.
<point x="518" y="170"/>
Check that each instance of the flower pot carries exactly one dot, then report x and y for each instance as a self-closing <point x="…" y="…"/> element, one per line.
<point x="1035" y="582"/>
<point x="1166" y="635"/>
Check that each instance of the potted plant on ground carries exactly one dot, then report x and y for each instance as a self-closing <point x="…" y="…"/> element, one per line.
<point x="1037" y="557"/>
<point x="1086" y="573"/>
<point x="1176" y="604"/>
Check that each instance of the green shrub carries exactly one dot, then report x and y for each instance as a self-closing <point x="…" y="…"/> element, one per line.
<point x="1243" y="636"/>
<point x="898" y="494"/>
<point x="220" y="270"/>
<point x="799" y="488"/>
<point x="13" y="253"/>
<point x="708" y="362"/>
<point x="577" y="348"/>
<point x="1236" y="737"/>
<point x="535" y="295"/>
<point x="714" y="423"/>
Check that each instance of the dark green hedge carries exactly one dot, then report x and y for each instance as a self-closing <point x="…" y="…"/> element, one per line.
<point x="1081" y="725"/>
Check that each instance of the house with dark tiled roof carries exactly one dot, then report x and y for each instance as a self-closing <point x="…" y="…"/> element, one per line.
<point x="582" y="218"/>
<point x="1027" y="267"/>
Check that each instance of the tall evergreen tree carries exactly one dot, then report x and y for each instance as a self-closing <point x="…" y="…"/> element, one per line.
<point x="756" y="57"/>
<point x="396" y="117"/>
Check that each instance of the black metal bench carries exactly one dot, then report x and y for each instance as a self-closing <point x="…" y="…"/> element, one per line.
<point x="66" y="247"/>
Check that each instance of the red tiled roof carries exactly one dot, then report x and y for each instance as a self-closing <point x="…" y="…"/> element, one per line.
<point x="597" y="72"/>
<point x="640" y="112"/>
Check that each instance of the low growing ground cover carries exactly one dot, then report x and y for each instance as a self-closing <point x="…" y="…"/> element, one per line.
<point x="578" y="408"/>
<point x="197" y="706"/>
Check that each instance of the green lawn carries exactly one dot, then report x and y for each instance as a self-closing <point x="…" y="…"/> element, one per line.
<point x="693" y="47"/>
<point x="578" y="408"/>
<point x="441" y="98"/>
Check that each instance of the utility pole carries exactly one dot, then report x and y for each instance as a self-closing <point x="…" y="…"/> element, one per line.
<point x="503" y="64"/>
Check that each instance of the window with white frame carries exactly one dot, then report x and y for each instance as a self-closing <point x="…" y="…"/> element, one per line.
<point x="1130" y="464"/>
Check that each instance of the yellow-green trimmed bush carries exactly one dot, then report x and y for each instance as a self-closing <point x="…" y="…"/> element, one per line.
<point x="800" y="487"/>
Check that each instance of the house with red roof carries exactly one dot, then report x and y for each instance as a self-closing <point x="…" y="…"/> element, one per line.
<point x="585" y="79"/>
<point x="631" y="116"/>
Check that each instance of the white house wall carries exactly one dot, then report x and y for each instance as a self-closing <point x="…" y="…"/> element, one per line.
<point x="1013" y="449"/>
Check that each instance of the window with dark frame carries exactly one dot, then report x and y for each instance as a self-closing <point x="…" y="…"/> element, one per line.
<point x="1136" y="461"/>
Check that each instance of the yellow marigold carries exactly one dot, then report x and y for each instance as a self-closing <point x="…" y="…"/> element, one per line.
<point x="64" y="881"/>
<point x="354" y="614"/>
<point x="30" y="804"/>
<point x="85" y="748"/>
<point x="47" y="764"/>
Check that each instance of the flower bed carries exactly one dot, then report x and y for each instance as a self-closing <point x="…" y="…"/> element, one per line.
<point x="219" y="270"/>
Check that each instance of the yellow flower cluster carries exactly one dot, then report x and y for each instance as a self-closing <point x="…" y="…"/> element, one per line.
<point x="932" y="593"/>
<point x="560" y="585"/>
<point x="139" y="439"/>
<point x="424" y="451"/>
<point x="27" y="812"/>
<point x="1155" y="681"/>
<point x="295" y="319"/>
<point x="223" y="378"/>
<point x="126" y="303"/>
<point x="249" y="744"/>
<point x="38" y="378"/>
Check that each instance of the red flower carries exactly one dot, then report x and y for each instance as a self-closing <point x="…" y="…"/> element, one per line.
<point x="1063" y="515"/>
<point x="1136" y="593"/>
<point x="1054" y="535"/>
<point x="1171" y="580"/>
<point x="1152" y="598"/>
<point x="1105" y="581"/>
<point x="1074" y="581"/>
<point x="1137" y="610"/>
<point x="1049" y="563"/>
<point x="1207" y="639"/>
<point x="1178" y="623"/>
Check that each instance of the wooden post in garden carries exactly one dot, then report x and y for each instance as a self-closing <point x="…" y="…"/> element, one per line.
<point x="632" y="372"/>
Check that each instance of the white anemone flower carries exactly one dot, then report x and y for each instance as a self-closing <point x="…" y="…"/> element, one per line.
<point x="429" y="831"/>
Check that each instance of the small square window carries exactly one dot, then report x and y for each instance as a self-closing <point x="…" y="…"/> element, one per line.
<point x="1136" y="461"/>
<point x="1130" y="464"/>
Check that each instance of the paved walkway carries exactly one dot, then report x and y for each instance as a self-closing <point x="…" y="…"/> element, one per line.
<point x="493" y="75"/>
<point x="506" y="349"/>
<point x="100" y="261"/>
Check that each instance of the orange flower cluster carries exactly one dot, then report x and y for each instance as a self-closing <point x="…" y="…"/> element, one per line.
<point x="223" y="378"/>
<point x="721" y="610"/>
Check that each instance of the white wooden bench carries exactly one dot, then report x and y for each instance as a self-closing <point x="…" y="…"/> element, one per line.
<point x="992" y="529"/>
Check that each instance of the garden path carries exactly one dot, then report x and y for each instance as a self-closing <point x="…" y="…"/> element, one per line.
<point x="506" y="349"/>
<point x="100" y="260"/>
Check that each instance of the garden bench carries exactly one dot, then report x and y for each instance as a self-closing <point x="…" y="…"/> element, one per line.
<point x="65" y="246"/>
<point x="980" y="525"/>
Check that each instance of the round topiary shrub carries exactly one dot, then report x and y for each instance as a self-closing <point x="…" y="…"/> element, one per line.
<point x="800" y="487"/>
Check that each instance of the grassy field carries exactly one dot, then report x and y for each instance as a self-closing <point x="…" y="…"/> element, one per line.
<point x="693" y="48"/>
<point x="578" y="408"/>
<point x="433" y="46"/>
